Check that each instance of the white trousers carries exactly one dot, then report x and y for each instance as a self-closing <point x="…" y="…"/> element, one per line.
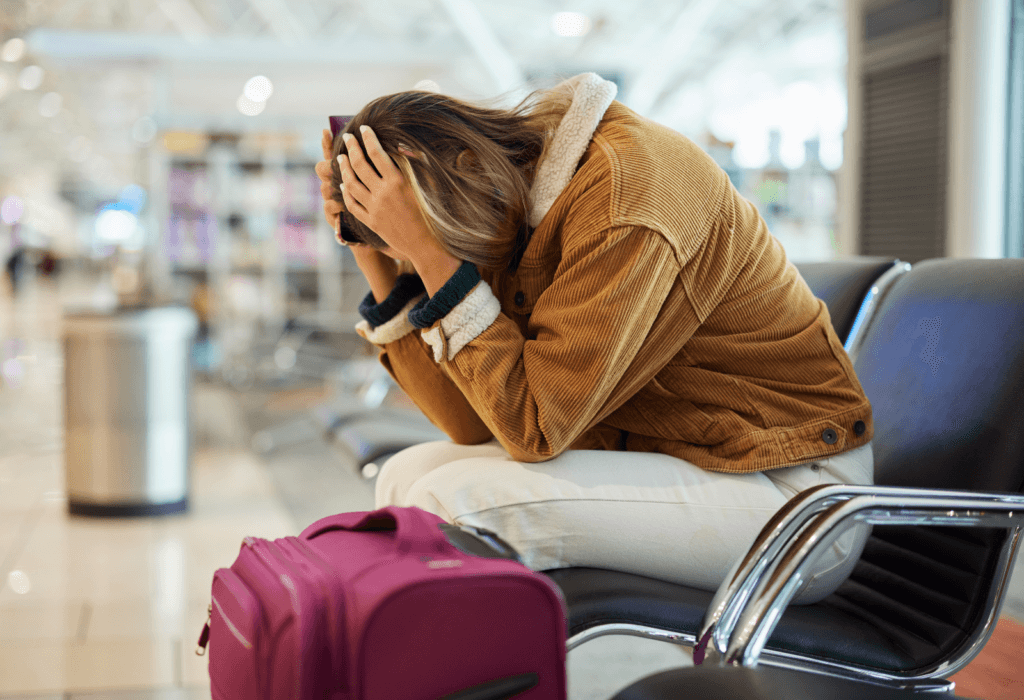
<point x="639" y="512"/>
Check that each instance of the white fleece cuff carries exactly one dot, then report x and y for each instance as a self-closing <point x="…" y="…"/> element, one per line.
<point x="397" y="327"/>
<point x="592" y="97"/>
<point x="470" y="317"/>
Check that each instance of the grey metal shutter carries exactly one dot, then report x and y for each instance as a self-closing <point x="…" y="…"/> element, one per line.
<point x="905" y="137"/>
<point x="903" y="163"/>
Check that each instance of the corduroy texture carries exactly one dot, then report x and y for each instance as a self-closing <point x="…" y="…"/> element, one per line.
<point x="656" y="312"/>
<point x="407" y="287"/>
<point x="431" y="310"/>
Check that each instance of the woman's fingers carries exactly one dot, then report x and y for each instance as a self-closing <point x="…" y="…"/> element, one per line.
<point x="332" y="209"/>
<point x="352" y="187"/>
<point x="327" y="144"/>
<point x="360" y="165"/>
<point x="385" y="166"/>
<point x="323" y="169"/>
<point x="352" y="204"/>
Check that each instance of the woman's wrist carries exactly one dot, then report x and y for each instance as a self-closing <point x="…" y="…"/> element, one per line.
<point x="435" y="268"/>
<point x="378" y="269"/>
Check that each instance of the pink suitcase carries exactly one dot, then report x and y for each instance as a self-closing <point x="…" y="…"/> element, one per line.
<point x="382" y="606"/>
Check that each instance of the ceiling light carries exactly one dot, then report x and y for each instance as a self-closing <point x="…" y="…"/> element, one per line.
<point x="258" y="89"/>
<point x="50" y="104"/>
<point x="19" y="582"/>
<point x="570" y="24"/>
<point x="427" y="86"/>
<point x="30" y="77"/>
<point x="248" y="107"/>
<point x="115" y="225"/>
<point x="13" y="50"/>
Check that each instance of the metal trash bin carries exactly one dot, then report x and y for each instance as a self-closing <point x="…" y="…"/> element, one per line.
<point x="127" y="376"/>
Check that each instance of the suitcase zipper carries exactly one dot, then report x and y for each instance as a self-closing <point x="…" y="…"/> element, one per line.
<point x="204" y="636"/>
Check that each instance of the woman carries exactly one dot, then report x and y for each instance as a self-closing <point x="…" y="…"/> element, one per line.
<point x="586" y="283"/>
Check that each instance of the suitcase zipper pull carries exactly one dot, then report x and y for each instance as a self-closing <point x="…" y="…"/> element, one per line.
<point x="204" y="637"/>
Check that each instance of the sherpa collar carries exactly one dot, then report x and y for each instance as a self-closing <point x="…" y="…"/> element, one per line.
<point x="592" y="95"/>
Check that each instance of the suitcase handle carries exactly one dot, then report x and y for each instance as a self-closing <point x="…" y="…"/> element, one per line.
<point x="415" y="529"/>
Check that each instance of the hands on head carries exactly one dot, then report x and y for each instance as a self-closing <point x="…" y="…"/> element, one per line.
<point x="376" y="193"/>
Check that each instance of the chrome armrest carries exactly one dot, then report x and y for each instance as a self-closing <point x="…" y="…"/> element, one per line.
<point x="771" y="585"/>
<point x="748" y="573"/>
<point x="869" y="306"/>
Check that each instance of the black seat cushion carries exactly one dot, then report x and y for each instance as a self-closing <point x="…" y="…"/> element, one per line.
<point x="762" y="683"/>
<point x="597" y="596"/>
<point x="842" y="285"/>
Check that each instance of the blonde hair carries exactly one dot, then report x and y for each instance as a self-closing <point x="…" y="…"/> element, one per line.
<point x="472" y="168"/>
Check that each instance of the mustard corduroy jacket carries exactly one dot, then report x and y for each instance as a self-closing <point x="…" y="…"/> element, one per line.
<point x="652" y="311"/>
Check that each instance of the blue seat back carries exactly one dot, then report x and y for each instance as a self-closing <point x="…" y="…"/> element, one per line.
<point x="943" y="365"/>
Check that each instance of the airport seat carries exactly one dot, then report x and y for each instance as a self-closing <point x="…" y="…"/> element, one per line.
<point x="942" y="361"/>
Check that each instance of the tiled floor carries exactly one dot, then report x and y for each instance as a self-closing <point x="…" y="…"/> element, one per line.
<point x="95" y="608"/>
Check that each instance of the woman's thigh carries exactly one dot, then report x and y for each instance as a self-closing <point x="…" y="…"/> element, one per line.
<point x="646" y="513"/>
<point x="404" y="468"/>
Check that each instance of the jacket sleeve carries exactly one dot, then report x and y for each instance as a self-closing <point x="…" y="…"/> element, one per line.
<point x="537" y="396"/>
<point x="408" y="360"/>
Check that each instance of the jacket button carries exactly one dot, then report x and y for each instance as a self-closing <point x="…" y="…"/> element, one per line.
<point x="829" y="437"/>
<point x="520" y="299"/>
<point x="859" y="428"/>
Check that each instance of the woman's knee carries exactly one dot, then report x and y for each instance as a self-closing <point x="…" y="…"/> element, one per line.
<point x="834" y="566"/>
<point x="404" y="469"/>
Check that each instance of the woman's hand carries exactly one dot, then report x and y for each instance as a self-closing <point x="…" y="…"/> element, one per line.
<point x="332" y="208"/>
<point x="386" y="204"/>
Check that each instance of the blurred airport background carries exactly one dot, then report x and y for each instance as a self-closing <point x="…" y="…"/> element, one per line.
<point x="158" y="155"/>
